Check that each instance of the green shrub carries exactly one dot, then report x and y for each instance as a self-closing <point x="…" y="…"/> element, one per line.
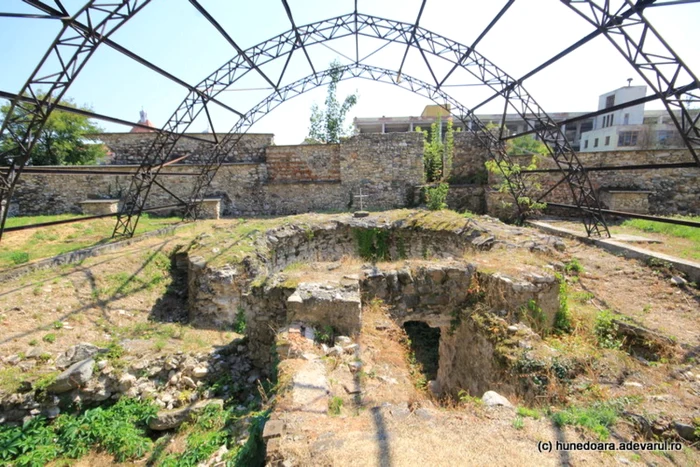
<point x="606" y="330"/>
<point x="325" y="335"/>
<point x="465" y="398"/>
<point x="50" y="338"/>
<point x="573" y="267"/>
<point x="435" y="197"/>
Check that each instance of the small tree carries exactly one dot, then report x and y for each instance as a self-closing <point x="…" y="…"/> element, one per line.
<point x="62" y="141"/>
<point x="438" y="152"/>
<point x="326" y="126"/>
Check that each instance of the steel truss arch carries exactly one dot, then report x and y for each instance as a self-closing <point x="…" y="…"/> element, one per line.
<point x="660" y="67"/>
<point x="391" y="31"/>
<point x="76" y="42"/>
<point x="624" y="25"/>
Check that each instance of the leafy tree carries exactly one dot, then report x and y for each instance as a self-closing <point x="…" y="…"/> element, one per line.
<point x="327" y="124"/>
<point x="438" y="152"/>
<point x="525" y="145"/>
<point x="62" y="141"/>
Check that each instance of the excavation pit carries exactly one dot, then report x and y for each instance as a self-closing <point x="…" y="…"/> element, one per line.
<point x="444" y="274"/>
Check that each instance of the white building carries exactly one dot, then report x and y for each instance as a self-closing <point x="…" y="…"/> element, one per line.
<point x="630" y="127"/>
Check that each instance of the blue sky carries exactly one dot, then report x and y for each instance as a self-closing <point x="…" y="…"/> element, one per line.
<point x="171" y="34"/>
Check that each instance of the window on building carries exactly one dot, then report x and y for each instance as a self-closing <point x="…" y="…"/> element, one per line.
<point x="612" y="119"/>
<point x="609" y="101"/>
<point x="595" y="143"/>
<point x="607" y="141"/>
<point x="585" y="144"/>
<point x="664" y="137"/>
<point x="627" y="119"/>
<point x="627" y="138"/>
<point x="605" y="121"/>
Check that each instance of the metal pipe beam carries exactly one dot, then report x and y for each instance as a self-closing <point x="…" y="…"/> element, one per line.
<point x="90" y="114"/>
<point x="633" y="215"/>
<point x="624" y="105"/>
<point x="86" y="218"/>
<point x="678" y="165"/>
<point x="31" y="170"/>
<point x="299" y="42"/>
<point x="230" y="40"/>
<point x="486" y="30"/>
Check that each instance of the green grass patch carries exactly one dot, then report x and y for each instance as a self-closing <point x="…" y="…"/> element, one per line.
<point x="674" y="230"/>
<point x="45" y="242"/>
<point x="49" y="338"/>
<point x="598" y="417"/>
<point x="527" y="412"/>
<point x="19" y="257"/>
<point x="10" y="379"/>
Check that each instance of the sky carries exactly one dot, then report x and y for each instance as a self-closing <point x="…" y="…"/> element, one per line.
<point x="172" y="35"/>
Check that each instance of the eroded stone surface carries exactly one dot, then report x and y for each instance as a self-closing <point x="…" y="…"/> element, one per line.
<point x="327" y="304"/>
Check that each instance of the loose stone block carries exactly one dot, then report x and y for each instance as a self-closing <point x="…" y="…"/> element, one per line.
<point x="327" y="305"/>
<point x="96" y="207"/>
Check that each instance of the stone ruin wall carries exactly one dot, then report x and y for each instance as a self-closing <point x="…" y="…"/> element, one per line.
<point x="288" y="179"/>
<point x="265" y="179"/>
<point x="426" y="293"/>
<point x="129" y="148"/>
<point x="673" y="191"/>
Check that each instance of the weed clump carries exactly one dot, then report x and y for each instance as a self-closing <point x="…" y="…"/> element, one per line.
<point x="373" y="244"/>
<point x="240" y="325"/>
<point x="562" y="319"/>
<point x="335" y="405"/>
<point x="606" y="330"/>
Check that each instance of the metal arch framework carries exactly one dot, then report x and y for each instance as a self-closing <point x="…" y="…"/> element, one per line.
<point x="390" y="31"/>
<point x="78" y="39"/>
<point x="625" y="27"/>
<point x="233" y="140"/>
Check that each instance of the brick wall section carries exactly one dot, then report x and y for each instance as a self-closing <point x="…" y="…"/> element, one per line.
<point x="674" y="191"/>
<point x="130" y="148"/>
<point x="303" y="163"/>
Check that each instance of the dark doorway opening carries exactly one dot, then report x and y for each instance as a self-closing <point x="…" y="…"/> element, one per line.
<point x="424" y="346"/>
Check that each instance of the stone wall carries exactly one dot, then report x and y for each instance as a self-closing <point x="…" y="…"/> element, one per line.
<point x="468" y="160"/>
<point x="130" y="148"/>
<point x="672" y="191"/>
<point x="386" y="166"/>
<point x="289" y="180"/>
